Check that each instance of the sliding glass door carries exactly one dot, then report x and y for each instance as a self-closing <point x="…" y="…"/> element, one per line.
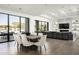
<point x="3" y="27"/>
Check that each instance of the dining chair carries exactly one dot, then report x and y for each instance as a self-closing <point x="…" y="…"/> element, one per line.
<point x="19" y="33"/>
<point x="18" y="40"/>
<point x="41" y="42"/>
<point x="25" y="42"/>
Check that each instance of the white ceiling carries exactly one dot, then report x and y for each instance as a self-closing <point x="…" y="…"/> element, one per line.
<point x="41" y="10"/>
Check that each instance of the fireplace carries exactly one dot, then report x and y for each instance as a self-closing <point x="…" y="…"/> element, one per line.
<point x="64" y="30"/>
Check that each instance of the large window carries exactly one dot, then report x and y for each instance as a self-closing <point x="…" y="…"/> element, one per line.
<point x="10" y="24"/>
<point x="14" y="23"/>
<point x="41" y="26"/>
<point x="3" y="27"/>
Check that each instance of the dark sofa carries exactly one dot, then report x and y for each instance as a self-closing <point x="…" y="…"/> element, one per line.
<point x="59" y="35"/>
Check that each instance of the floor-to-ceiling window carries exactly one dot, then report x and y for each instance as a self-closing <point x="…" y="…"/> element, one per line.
<point x="14" y="25"/>
<point x="3" y="27"/>
<point x="10" y="24"/>
<point x="41" y="26"/>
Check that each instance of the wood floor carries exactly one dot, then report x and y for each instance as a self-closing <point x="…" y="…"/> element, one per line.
<point x="53" y="47"/>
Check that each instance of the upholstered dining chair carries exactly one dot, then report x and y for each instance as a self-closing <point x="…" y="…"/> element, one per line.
<point x="25" y="42"/>
<point x="41" y="42"/>
<point x="18" y="40"/>
<point x="19" y="33"/>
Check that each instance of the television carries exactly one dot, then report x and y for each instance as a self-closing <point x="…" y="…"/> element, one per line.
<point x="64" y="26"/>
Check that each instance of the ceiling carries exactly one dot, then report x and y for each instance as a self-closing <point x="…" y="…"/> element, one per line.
<point x="42" y="10"/>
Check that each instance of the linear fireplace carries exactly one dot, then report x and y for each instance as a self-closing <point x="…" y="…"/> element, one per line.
<point x="64" y="30"/>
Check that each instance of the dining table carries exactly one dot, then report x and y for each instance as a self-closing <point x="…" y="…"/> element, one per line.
<point x="33" y="38"/>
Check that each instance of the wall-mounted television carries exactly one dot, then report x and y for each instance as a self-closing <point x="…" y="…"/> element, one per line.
<point x="64" y="26"/>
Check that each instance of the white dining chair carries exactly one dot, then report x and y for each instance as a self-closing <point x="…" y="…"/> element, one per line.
<point x="19" y="33"/>
<point x="25" y="42"/>
<point x="18" y="40"/>
<point x="41" y="42"/>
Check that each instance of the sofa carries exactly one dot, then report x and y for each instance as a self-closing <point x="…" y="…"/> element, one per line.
<point x="59" y="35"/>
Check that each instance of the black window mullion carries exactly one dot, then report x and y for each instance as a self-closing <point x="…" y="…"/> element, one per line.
<point x="8" y="36"/>
<point x="44" y="26"/>
<point x="20" y="22"/>
<point x="47" y="26"/>
<point x="28" y="24"/>
<point x="41" y="26"/>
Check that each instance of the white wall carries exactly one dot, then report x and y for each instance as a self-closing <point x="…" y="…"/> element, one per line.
<point x="50" y="24"/>
<point x="32" y="26"/>
<point x="55" y="24"/>
<point x="56" y="21"/>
